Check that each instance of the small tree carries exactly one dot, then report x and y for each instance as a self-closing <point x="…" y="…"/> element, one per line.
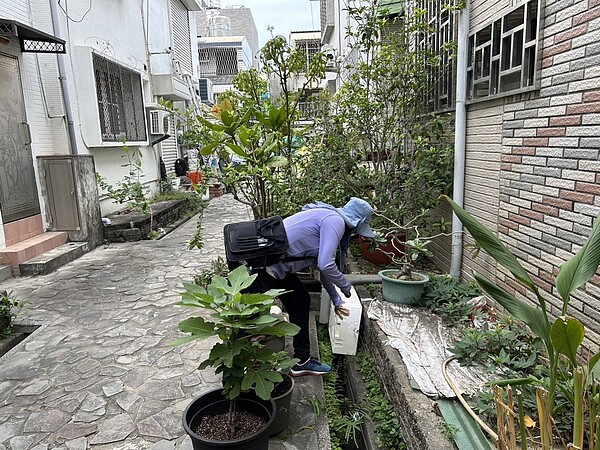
<point x="240" y="321"/>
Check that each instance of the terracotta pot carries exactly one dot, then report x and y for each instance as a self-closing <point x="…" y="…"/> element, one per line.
<point x="196" y="177"/>
<point x="380" y="255"/>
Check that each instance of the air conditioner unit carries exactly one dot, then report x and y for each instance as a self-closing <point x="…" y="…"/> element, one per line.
<point x="159" y="121"/>
<point x="206" y="90"/>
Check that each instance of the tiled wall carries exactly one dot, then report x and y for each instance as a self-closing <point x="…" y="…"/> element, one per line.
<point x="20" y="230"/>
<point x="550" y="169"/>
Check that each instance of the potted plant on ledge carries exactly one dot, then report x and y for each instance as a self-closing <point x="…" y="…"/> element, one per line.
<point x="238" y="416"/>
<point x="403" y="284"/>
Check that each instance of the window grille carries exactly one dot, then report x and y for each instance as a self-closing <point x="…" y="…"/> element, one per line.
<point x="310" y="47"/>
<point x="218" y="61"/>
<point x="120" y="101"/>
<point x="442" y="33"/>
<point x="503" y="56"/>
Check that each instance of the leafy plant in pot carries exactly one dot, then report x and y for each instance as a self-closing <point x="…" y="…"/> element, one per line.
<point x="250" y="368"/>
<point x="403" y="284"/>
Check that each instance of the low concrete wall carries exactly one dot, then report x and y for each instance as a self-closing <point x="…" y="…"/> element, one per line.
<point x="135" y="226"/>
<point x="421" y="426"/>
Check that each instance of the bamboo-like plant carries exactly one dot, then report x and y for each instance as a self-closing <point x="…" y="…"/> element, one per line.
<point x="563" y="336"/>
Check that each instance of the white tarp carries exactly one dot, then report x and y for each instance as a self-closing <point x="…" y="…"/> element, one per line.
<point x="422" y="341"/>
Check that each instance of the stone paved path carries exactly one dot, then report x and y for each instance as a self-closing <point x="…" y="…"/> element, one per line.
<point x="99" y="372"/>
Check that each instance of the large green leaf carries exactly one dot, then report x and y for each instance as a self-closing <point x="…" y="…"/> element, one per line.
<point x="567" y="335"/>
<point x="240" y="279"/>
<point x="277" y="161"/>
<point x="594" y="367"/>
<point x="281" y="329"/>
<point x="237" y="150"/>
<point x="579" y="269"/>
<point x="198" y="327"/>
<point x="533" y="317"/>
<point x="492" y="245"/>
<point x="211" y="125"/>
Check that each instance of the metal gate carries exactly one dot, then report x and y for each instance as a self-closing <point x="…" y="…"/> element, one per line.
<point x="18" y="192"/>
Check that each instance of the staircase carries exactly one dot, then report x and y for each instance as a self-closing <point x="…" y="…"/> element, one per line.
<point x="31" y="251"/>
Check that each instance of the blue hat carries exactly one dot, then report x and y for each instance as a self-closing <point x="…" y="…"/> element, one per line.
<point x="357" y="215"/>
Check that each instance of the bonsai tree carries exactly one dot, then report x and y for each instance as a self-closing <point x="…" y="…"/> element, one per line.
<point x="242" y="322"/>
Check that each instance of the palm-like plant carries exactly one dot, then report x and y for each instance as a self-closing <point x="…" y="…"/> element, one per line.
<point x="564" y="335"/>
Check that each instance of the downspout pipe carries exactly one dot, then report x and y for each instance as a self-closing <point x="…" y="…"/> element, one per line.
<point x="460" y="132"/>
<point x="63" y="80"/>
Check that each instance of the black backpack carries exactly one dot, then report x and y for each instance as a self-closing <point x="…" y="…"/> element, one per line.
<point x="257" y="243"/>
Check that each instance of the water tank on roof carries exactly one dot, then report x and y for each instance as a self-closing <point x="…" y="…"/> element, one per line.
<point x="219" y="26"/>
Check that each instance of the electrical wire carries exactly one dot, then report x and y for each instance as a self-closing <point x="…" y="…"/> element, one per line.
<point x="70" y="18"/>
<point x="472" y="413"/>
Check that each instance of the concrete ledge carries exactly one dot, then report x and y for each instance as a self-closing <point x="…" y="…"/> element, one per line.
<point x="421" y="425"/>
<point x="53" y="259"/>
<point x="5" y="273"/>
<point x="135" y="225"/>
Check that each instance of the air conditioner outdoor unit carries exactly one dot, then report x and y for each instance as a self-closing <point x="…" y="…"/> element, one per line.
<point x="159" y="121"/>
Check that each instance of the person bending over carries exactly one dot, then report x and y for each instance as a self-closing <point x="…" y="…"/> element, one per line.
<point x="314" y="235"/>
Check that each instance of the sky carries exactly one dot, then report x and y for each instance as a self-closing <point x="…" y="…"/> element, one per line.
<point x="283" y="15"/>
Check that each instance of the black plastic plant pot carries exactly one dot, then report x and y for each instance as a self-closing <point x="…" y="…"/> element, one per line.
<point x="213" y="403"/>
<point x="282" y="403"/>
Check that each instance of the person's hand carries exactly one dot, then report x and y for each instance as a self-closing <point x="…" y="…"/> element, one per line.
<point x="341" y="311"/>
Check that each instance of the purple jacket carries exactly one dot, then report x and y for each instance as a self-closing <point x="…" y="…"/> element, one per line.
<point x="315" y="232"/>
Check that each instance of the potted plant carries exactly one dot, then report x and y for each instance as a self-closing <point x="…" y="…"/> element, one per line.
<point x="250" y="368"/>
<point x="403" y="284"/>
<point x="9" y="308"/>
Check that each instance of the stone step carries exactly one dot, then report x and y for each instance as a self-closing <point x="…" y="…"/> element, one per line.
<point x="51" y="260"/>
<point x="20" y="252"/>
<point x="5" y="273"/>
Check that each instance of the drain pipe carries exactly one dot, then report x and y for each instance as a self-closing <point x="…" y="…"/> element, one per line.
<point x="460" y="132"/>
<point x="63" y="80"/>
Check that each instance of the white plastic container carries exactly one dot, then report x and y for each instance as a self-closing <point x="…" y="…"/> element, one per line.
<point x="343" y="334"/>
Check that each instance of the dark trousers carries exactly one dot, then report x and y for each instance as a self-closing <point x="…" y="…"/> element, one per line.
<point x="296" y="303"/>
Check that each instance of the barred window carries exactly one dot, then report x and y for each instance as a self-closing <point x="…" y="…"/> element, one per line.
<point x="442" y="32"/>
<point x="503" y="56"/>
<point x="120" y="102"/>
<point x="310" y="47"/>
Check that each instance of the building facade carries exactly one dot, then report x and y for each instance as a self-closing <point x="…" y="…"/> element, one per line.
<point x="89" y="103"/>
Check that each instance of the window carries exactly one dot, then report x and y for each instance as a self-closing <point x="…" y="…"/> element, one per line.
<point x="309" y="47"/>
<point x="503" y="55"/>
<point x="443" y="32"/>
<point x="120" y="103"/>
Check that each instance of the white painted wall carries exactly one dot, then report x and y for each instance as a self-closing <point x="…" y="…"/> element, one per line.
<point x="41" y="89"/>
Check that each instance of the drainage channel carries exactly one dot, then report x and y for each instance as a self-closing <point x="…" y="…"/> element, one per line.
<point x="18" y="334"/>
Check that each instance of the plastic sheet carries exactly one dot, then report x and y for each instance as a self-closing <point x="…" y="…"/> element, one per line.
<point x="422" y="341"/>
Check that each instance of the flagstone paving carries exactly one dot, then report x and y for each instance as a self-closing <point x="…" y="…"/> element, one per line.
<point x="99" y="373"/>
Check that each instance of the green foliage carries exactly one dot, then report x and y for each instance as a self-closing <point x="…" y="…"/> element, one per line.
<point x="563" y="337"/>
<point x="10" y="306"/>
<point x="130" y="190"/>
<point x="384" y="118"/>
<point x="217" y="267"/>
<point x="449" y="431"/>
<point x="387" y="425"/>
<point x="258" y="129"/>
<point x="239" y="320"/>
<point x="448" y="297"/>
<point x="346" y="417"/>
<point x="506" y="344"/>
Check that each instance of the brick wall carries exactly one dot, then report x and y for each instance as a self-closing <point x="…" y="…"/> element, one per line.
<point x="549" y="169"/>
